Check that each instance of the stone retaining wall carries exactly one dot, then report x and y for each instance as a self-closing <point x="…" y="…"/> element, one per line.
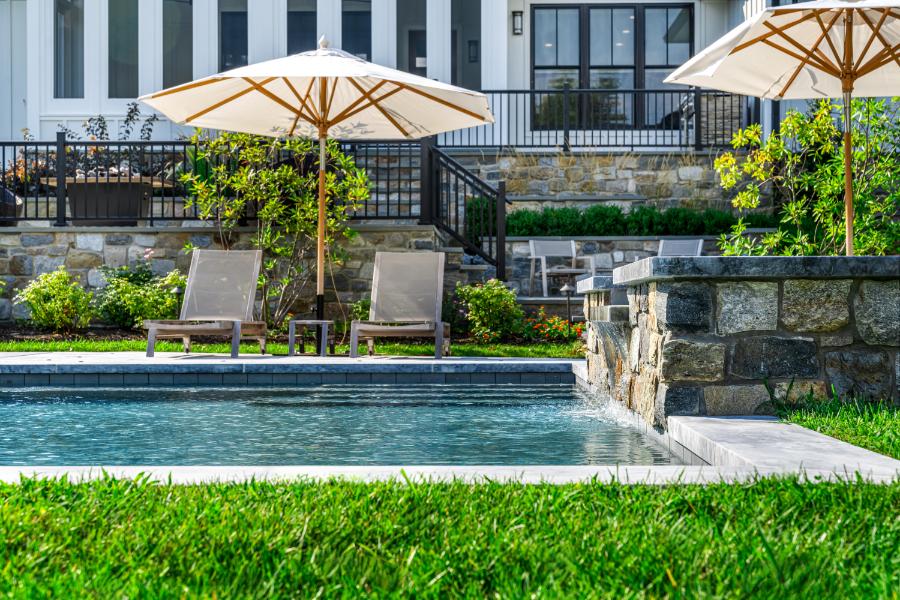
<point x="716" y="335"/>
<point x="27" y="252"/>
<point x="535" y="180"/>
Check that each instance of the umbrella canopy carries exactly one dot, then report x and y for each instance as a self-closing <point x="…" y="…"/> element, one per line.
<point x="319" y="94"/>
<point x="821" y="49"/>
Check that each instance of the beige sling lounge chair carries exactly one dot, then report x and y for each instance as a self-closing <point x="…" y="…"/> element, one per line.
<point x="407" y="291"/>
<point x="218" y="301"/>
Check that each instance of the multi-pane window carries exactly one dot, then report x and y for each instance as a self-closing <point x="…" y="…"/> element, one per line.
<point x="232" y="34"/>
<point x="356" y="27"/>
<point x="178" y="42"/>
<point x="616" y="49"/>
<point x="123" y="48"/>
<point x="68" y="49"/>
<point x="301" y="26"/>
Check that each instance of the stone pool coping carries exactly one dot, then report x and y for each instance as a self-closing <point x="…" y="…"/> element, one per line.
<point x="40" y="369"/>
<point x="715" y="449"/>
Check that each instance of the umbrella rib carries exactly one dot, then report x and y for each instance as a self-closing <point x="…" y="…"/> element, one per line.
<point x="826" y="31"/>
<point x="303" y="105"/>
<point x="330" y="99"/>
<point x="371" y="102"/>
<point x="876" y="32"/>
<point x="827" y="69"/>
<point x="814" y="48"/>
<point x="810" y="53"/>
<point x="378" y="107"/>
<point x="440" y="101"/>
<point x="347" y="111"/>
<point x="188" y="86"/>
<point x="310" y="106"/>
<point x="259" y="88"/>
<point x="220" y="103"/>
<point x="765" y="36"/>
<point x="883" y="57"/>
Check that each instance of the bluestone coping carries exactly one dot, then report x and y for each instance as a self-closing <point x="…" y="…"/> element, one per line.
<point x="664" y="268"/>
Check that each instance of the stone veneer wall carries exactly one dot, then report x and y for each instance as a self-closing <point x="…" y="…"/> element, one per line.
<point x="705" y="336"/>
<point x="28" y="252"/>
<point x="536" y="180"/>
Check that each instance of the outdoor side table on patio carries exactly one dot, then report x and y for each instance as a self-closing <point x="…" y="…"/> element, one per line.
<point x="304" y="324"/>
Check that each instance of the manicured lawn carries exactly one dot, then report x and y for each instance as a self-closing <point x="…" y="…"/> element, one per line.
<point x="776" y="538"/>
<point x="872" y="425"/>
<point x="544" y="350"/>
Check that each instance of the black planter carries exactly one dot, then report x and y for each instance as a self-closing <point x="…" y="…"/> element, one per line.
<point x="10" y="207"/>
<point x="104" y="203"/>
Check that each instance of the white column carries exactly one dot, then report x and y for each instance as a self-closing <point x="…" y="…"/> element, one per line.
<point x="328" y="21"/>
<point x="206" y="38"/>
<point x="496" y="30"/>
<point x="262" y="30"/>
<point x="279" y="28"/>
<point x="438" y="14"/>
<point x="150" y="36"/>
<point x="384" y="32"/>
<point x="36" y="54"/>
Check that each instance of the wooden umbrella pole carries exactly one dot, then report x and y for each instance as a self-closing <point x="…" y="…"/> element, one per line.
<point x="848" y="173"/>
<point x="320" y="241"/>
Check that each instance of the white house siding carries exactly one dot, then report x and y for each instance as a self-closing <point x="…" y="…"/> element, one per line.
<point x="504" y="58"/>
<point x="13" y="68"/>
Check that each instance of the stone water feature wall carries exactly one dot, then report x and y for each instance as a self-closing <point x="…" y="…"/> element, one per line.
<point x="714" y="335"/>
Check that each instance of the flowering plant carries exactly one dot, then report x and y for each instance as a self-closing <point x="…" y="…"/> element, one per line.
<point x="551" y="328"/>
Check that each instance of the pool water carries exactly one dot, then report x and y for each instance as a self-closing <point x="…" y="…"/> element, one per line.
<point x="319" y="425"/>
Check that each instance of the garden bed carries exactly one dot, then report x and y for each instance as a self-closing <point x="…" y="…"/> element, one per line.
<point x="772" y="538"/>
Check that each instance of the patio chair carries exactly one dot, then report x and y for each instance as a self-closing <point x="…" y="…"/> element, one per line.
<point x="541" y="250"/>
<point x="680" y="248"/>
<point x="407" y="291"/>
<point x="218" y="301"/>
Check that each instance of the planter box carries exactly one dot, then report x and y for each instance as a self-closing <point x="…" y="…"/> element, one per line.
<point x="108" y="203"/>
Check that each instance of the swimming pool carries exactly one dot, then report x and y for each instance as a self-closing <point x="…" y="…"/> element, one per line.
<point x="319" y="425"/>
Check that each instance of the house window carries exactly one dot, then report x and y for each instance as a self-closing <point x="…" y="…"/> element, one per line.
<point x="123" y="48"/>
<point x="178" y="42"/>
<point x="465" y="32"/>
<point x="232" y="34"/>
<point x="356" y="27"/>
<point x="617" y="48"/>
<point x="301" y="26"/>
<point x="411" y="38"/>
<point x="68" y="49"/>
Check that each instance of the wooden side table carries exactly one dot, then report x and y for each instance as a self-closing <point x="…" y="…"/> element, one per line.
<point x="304" y="325"/>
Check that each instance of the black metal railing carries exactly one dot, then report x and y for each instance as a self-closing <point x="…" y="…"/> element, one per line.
<point x="615" y="119"/>
<point x="466" y="208"/>
<point x="394" y="178"/>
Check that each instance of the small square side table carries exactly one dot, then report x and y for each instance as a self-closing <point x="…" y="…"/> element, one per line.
<point x="304" y="325"/>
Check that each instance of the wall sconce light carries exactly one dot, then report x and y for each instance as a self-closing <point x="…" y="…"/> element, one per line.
<point x="518" y="22"/>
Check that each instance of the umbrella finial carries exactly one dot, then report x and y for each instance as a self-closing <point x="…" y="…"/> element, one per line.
<point x="323" y="42"/>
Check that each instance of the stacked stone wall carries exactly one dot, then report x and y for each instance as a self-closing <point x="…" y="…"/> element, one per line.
<point x="728" y="347"/>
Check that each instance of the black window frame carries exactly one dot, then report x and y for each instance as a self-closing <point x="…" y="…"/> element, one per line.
<point x="584" y="67"/>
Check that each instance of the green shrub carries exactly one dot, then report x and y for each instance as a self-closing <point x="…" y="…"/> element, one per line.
<point x="607" y="220"/>
<point x="604" y="220"/>
<point x="359" y="311"/>
<point x="133" y="295"/>
<point x="57" y="302"/>
<point x="491" y="310"/>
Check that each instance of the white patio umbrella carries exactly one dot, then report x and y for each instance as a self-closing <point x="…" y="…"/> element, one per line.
<point x="821" y="49"/>
<point x="320" y="94"/>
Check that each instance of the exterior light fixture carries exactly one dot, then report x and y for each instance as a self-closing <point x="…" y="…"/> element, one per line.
<point x="518" y="22"/>
<point x="567" y="290"/>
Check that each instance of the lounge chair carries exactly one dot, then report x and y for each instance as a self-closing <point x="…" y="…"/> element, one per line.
<point x="407" y="290"/>
<point x="218" y="301"/>
<point x="541" y="250"/>
<point x="680" y="247"/>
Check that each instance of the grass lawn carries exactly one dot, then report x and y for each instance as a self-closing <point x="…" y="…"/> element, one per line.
<point x="775" y="538"/>
<point x="543" y="350"/>
<point x="871" y="425"/>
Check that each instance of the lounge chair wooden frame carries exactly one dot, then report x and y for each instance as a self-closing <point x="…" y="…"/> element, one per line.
<point x="193" y="323"/>
<point x="420" y="323"/>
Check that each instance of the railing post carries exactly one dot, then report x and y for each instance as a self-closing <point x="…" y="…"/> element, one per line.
<point x="60" y="179"/>
<point x="567" y="147"/>
<point x="501" y="231"/>
<point x="698" y="121"/>
<point x="426" y="185"/>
